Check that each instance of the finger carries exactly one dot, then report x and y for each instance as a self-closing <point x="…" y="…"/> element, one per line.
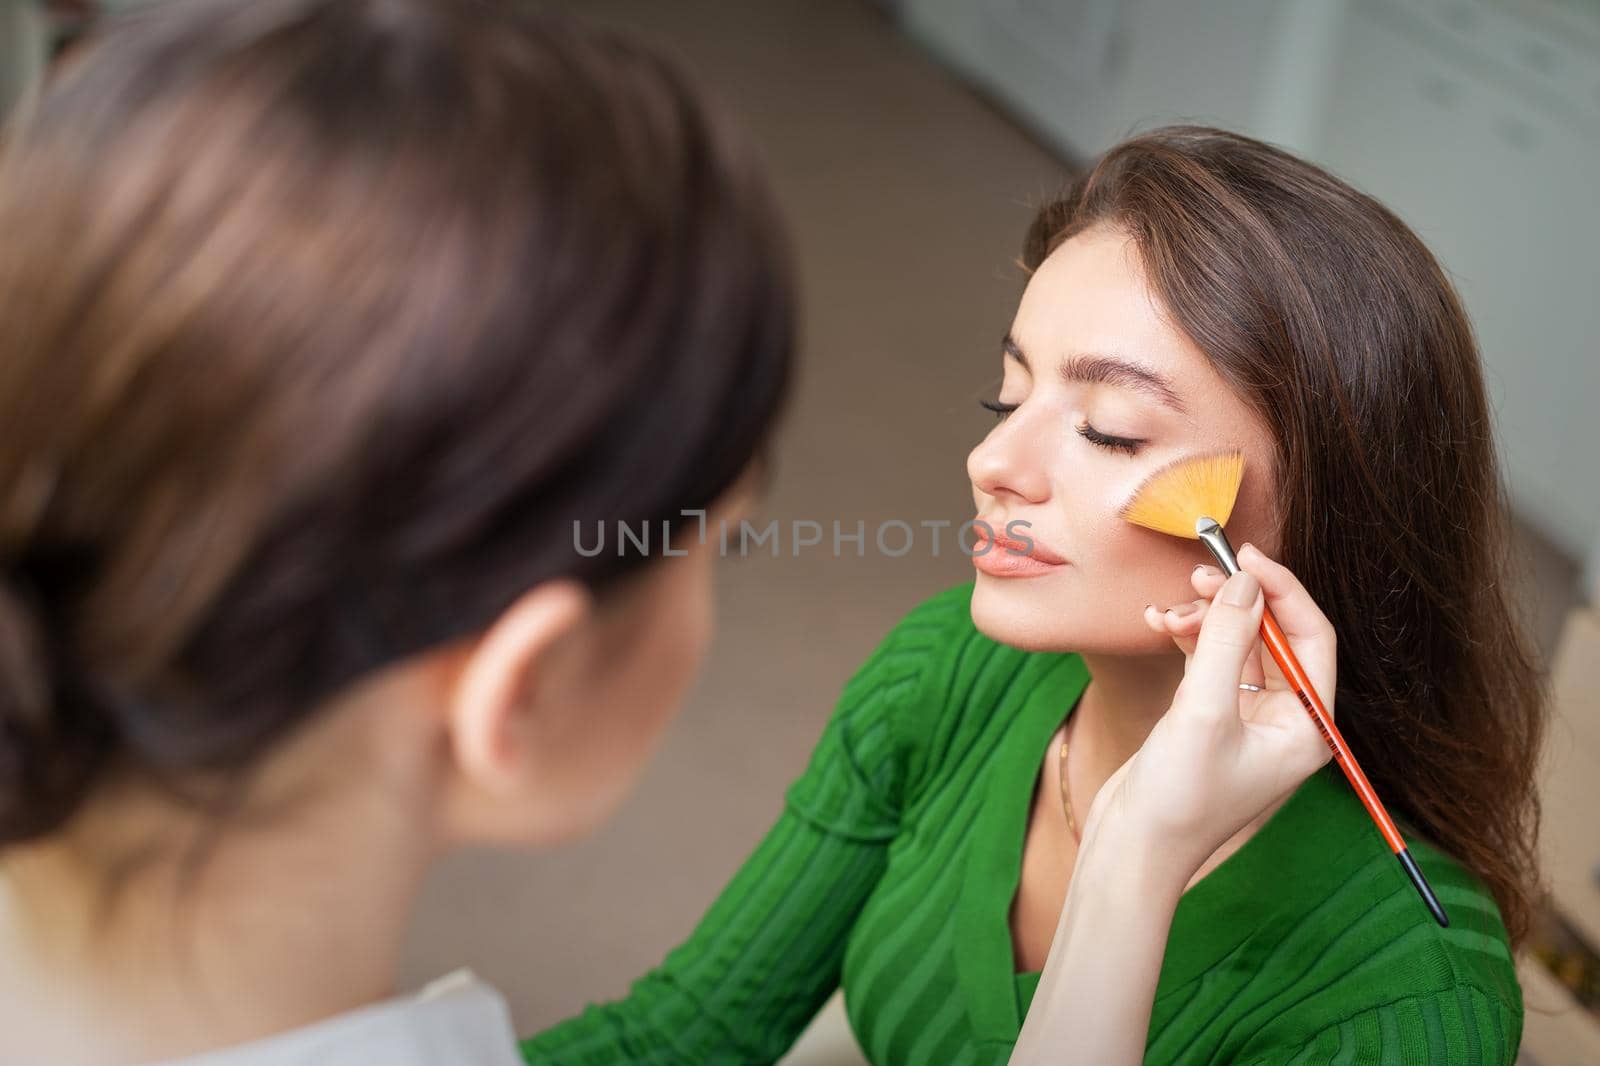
<point x="1181" y="622"/>
<point x="1207" y="579"/>
<point x="1228" y="634"/>
<point x="1297" y="613"/>
<point x="1276" y="681"/>
<point x="1186" y="627"/>
<point x="1262" y="669"/>
<point x="1310" y="633"/>
<point x="1170" y="620"/>
<point x="1154" y="618"/>
<point x="1255" y="666"/>
<point x="1185" y="616"/>
<point x="1297" y="733"/>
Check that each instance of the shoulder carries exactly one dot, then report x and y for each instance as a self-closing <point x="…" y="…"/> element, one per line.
<point x="934" y="680"/>
<point x="1441" y="1027"/>
<point x="1472" y="952"/>
<point x="953" y="686"/>
<point x="873" y="745"/>
<point x="931" y="632"/>
<point x="1476" y="944"/>
<point x="909" y="673"/>
<point x="1374" y="974"/>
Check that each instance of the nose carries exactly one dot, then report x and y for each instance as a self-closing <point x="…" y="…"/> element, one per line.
<point x="1008" y="463"/>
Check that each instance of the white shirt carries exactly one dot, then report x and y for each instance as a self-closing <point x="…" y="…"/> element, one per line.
<point x="457" y="1019"/>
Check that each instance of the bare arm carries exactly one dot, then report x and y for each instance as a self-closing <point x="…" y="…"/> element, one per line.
<point x="1099" y="981"/>
<point x="1211" y="764"/>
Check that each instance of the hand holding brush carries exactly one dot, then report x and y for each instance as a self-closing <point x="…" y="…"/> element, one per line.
<point x="1215" y="760"/>
<point x="1193" y="498"/>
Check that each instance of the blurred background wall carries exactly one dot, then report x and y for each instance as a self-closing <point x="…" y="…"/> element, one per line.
<point x="23" y="49"/>
<point x="908" y="142"/>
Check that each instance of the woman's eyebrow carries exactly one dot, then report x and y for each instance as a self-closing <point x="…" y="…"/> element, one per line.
<point x="1088" y="368"/>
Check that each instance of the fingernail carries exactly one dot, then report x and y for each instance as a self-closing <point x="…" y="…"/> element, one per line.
<point x="1181" y="609"/>
<point x="1240" y="589"/>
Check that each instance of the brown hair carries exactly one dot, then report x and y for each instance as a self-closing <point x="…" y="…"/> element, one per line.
<point x="1330" y="318"/>
<point x="326" y="323"/>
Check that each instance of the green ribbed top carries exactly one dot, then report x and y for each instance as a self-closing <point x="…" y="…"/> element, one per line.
<point x="893" y="867"/>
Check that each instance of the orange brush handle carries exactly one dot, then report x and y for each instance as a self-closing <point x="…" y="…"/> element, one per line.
<point x="1284" y="656"/>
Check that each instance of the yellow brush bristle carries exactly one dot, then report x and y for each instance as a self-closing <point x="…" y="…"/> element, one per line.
<point x="1170" y="499"/>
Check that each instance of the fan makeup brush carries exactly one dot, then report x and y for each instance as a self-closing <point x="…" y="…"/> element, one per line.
<point x="1193" y="497"/>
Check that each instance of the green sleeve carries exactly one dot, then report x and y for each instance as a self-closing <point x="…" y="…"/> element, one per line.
<point x="1459" y="1025"/>
<point x="768" y="952"/>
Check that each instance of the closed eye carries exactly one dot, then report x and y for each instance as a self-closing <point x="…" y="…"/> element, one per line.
<point x="1116" y="444"/>
<point x="1126" y="445"/>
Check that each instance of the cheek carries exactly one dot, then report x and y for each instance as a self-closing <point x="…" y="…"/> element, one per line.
<point x="1255" y="516"/>
<point x="1092" y="496"/>
<point x="1131" y="566"/>
<point x="1155" y="567"/>
<point x="691" y="633"/>
<point x="679" y="637"/>
<point x="1097" y="604"/>
<point x="645" y="693"/>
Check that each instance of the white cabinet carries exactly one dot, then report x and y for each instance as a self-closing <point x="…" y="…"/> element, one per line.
<point x="1482" y="130"/>
<point x="1085" y="73"/>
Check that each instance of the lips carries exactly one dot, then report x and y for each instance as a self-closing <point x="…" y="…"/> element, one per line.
<point x="1001" y="556"/>
<point x="996" y="541"/>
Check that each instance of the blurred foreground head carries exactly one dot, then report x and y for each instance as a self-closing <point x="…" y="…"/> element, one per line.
<point x="321" y="324"/>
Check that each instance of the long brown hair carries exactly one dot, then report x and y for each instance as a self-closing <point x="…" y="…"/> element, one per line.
<point x="325" y="323"/>
<point x="1330" y="318"/>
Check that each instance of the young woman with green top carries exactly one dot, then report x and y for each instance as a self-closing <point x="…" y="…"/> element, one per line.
<point x="1192" y="290"/>
<point x="325" y="321"/>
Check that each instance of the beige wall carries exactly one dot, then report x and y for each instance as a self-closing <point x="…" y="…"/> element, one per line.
<point x="22" y="50"/>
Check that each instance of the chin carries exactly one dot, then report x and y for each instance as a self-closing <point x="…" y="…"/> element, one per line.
<point x="1021" y="621"/>
<point x="1007" y="613"/>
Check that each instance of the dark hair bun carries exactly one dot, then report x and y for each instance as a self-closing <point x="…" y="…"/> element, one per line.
<point x="260" y="488"/>
<point x="49" y="749"/>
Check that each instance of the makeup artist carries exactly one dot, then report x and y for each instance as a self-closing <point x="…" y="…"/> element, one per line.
<point x="322" y="322"/>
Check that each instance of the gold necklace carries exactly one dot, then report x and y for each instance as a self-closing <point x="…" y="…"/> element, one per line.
<point x="1066" y="798"/>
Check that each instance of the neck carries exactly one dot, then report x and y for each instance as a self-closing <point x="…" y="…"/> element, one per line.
<point x="1125" y="698"/>
<point x="268" y="924"/>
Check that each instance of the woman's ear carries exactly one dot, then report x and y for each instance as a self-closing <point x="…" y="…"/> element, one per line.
<point x="504" y="679"/>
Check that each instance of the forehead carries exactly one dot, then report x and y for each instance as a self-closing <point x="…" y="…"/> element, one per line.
<point x="1090" y="296"/>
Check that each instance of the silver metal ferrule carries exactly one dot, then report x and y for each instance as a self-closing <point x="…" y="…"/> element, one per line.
<point x="1212" y="536"/>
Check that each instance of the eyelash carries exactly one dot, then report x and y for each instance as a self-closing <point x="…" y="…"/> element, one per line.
<point x="1086" y="431"/>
